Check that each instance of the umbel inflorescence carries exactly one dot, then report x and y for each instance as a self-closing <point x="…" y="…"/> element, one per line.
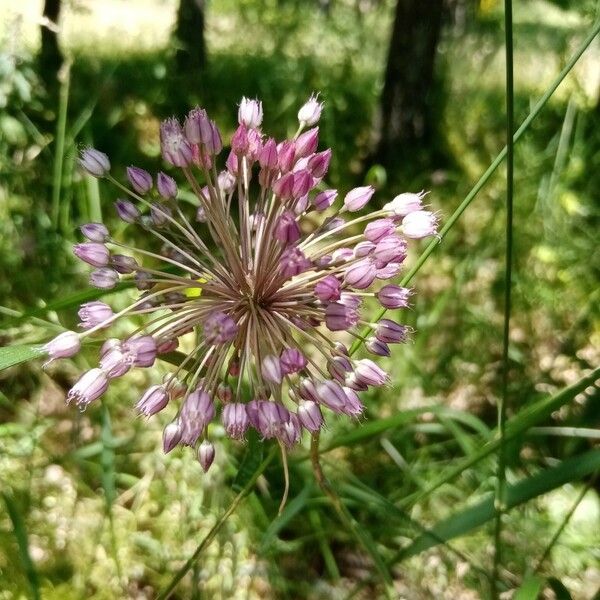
<point x="265" y="273"/>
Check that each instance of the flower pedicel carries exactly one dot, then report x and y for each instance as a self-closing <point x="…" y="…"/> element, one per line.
<point x="256" y="270"/>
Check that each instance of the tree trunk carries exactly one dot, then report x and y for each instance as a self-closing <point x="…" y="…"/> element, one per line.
<point x="406" y="123"/>
<point x="189" y="32"/>
<point x="50" y="57"/>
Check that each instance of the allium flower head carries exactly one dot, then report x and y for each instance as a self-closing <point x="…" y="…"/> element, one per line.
<point x="265" y="276"/>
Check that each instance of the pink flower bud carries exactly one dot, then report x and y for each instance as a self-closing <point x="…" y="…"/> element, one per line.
<point x="95" y="232"/>
<point x="310" y="415"/>
<point x="143" y="350"/>
<point x="324" y="200"/>
<point x="93" y="253"/>
<point x="115" y="360"/>
<point x="391" y="248"/>
<point x="389" y="271"/>
<point x="235" y="420"/>
<point x="284" y="186"/>
<point x="104" y="278"/>
<point x="377" y="230"/>
<point x="239" y="141"/>
<point x="250" y="113"/>
<point x="271" y="369"/>
<point x="369" y="373"/>
<point x="353" y="406"/>
<point x="339" y="317"/>
<point x="394" y="296"/>
<point x="206" y="455"/>
<point x="363" y="249"/>
<point x="290" y="431"/>
<point x="419" y="224"/>
<point x="166" y="186"/>
<point x="90" y="386"/>
<point x="287" y="229"/>
<point x="358" y="197"/>
<point x="332" y="395"/>
<point x="328" y="288"/>
<point x="175" y="149"/>
<point x="293" y="262"/>
<point x="226" y="182"/>
<point x="94" y="162"/>
<point x="310" y="112"/>
<point x="361" y="274"/>
<point x="141" y="181"/>
<point x="318" y="164"/>
<point x="404" y="204"/>
<point x="303" y="182"/>
<point x="153" y="400"/>
<point x="64" y="345"/>
<point x="268" y="155"/>
<point x="286" y="155"/>
<point x="94" y="313"/>
<point x="197" y="126"/>
<point x="292" y="361"/>
<point x="306" y="143"/>
<point x="171" y="436"/>
<point x="219" y="328"/>
<point x="197" y="412"/>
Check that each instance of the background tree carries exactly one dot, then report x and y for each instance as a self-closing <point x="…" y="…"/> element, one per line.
<point x="404" y="114"/>
<point x="50" y="57"/>
<point x="189" y="33"/>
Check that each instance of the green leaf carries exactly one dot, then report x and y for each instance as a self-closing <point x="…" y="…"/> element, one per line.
<point x="561" y="592"/>
<point x="250" y="463"/>
<point x="15" y="355"/>
<point x="465" y="521"/>
<point x="20" y="531"/>
<point x="530" y="588"/>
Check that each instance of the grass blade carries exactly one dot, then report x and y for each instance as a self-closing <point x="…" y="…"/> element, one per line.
<point x="15" y="355"/>
<point x="530" y="589"/>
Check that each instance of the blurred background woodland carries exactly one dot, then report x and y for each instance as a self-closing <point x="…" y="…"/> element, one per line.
<point x="414" y="99"/>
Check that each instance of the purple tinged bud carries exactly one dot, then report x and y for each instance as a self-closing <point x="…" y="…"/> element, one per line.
<point x="368" y="373"/>
<point x="271" y="416"/>
<point x="226" y="182"/>
<point x="224" y="392"/>
<point x="142" y="349"/>
<point x="301" y="205"/>
<point x="391" y="332"/>
<point x="318" y="165"/>
<point x="206" y="455"/>
<point x="286" y="155"/>
<point x="375" y="346"/>
<point x="141" y="181"/>
<point x="293" y="262"/>
<point x="361" y="274"/>
<point x="287" y="229"/>
<point x="419" y="224"/>
<point x="171" y="436"/>
<point x="342" y="255"/>
<point x="338" y="367"/>
<point x="160" y="214"/>
<point x="90" y="386"/>
<point x="213" y="142"/>
<point x="389" y="271"/>
<point x="292" y="361"/>
<point x="143" y="280"/>
<point x="310" y="112"/>
<point x="239" y="141"/>
<point x="350" y="300"/>
<point x="95" y="232"/>
<point x="219" y="328"/>
<point x="104" y="278"/>
<point x="290" y="431"/>
<point x="64" y="345"/>
<point x="94" y="162"/>
<point x="391" y="248"/>
<point x="377" y="230"/>
<point x="153" y="400"/>
<point x="166" y="186"/>
<point x="353" y="407"/>
<point x="250" y="113"/>
<point x="235" y="420"/>
<point x="303" y="182"/>
<point x="394" y="296"/>
<point x="306" y="143"/>
<point x="268" y="155"/>
<point x="323" y="200"/>
<point x="354" y="383"/>
<point x="197" y="126"/>
<point x="252" y="410"/>
<point x="175" y="149"/>
<point x="310" y="415"/>
<point x="201" y="214"/>
<point x="358" y="197"/>
<point x="329" y="288"/>
<point x="404" y="204"/>
<point x="284" y="186"/>
<point x="127" y="211"/>
<point x="197" y="412"/>
<point x="339" y="317"/>
<point x="115" y="361"/>
<point x="332" y="395"/>
<point x="92" y="253"/>
<point x="363" y="249"/>
<point x="334" y="224"/>
<point x="271" y="369"/>
<point x="94" y="313"/>
<point x="166" y="346"/>
<point x="123" y="264"/>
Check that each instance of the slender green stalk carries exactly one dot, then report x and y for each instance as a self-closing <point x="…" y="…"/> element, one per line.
<point x="59" y="151"/>
<point x="210" y="536"/>
<point x="500" y="494"/>
<point x="488" y="173"/>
